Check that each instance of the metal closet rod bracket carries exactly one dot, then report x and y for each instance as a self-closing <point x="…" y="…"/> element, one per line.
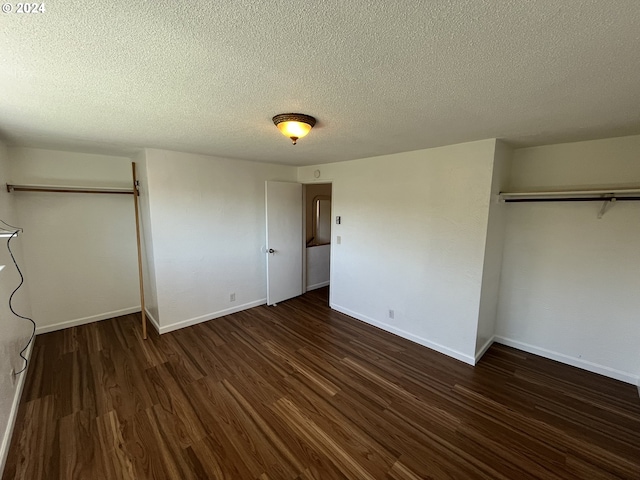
<point x="609" y="202"/>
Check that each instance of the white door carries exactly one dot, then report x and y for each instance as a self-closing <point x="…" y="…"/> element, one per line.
<point x="284" y="241"/>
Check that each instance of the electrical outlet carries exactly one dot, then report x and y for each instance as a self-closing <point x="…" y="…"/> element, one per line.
<point x="392" y="314"/>
<point x="232" y="297"/>
<point x="13" y="377"/>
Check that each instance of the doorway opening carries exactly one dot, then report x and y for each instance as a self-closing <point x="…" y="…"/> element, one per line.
<point x="317" y="215"/>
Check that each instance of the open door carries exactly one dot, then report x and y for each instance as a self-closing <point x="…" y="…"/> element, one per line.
<point x="284" y="241"/>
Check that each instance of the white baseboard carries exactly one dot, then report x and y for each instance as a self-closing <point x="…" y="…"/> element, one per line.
<point x="409" y="336"/>
<point x="6" y="440"/>
<point x="484" y="348"/>
<point x="210" y="316"/>
<point x="85" y="320"/>
<point x="573" y="361"/>
<point x="153" y="320"/>
<point x="317" y="285"/>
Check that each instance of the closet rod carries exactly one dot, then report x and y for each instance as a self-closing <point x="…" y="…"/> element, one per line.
<point x="64" y="189"/>
<point x="571" y="199"/>
<point x="572" y="195"/>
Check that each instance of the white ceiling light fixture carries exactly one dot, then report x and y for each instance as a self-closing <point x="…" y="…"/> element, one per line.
<point x="294" y="125"/>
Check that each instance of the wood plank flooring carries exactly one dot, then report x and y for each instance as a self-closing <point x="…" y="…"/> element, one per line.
<point x="299" y="391"/>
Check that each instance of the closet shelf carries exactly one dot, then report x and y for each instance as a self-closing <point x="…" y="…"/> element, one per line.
<point x="572" y="195"/>
<point x="67" y="189"/>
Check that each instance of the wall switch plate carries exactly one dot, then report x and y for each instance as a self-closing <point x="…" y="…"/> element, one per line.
<point x="392" y="314"/>
<point x="338" y="239"/>
<point x="232" y="297"/>
<point x="338" y="220"/>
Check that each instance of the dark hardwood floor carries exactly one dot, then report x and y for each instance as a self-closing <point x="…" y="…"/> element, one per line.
<point x="299" y="391"/>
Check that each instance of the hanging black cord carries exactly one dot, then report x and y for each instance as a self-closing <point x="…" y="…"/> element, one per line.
<point x="33" y="333"/>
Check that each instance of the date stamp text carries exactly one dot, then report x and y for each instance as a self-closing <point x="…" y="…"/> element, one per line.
<point x="23" y="8"/>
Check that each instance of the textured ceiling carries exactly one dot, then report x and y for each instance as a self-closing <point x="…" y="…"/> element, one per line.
<point x="380" y="76"/>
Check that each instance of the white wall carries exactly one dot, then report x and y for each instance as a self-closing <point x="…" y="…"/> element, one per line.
<point x="570" y="282"/>
<point x="318" y="266"/>
<point x="413" y="240"/>
<point x="607" y="162"/>
<point x="493" y="251"/>
<point x="79" y="249"/>
<point x="208" y="224"/>
<point x="14" y="332"/>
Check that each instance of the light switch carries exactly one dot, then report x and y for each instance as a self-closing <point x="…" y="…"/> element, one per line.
<point x="338" y="239"/>
<point x="337" y="220"/>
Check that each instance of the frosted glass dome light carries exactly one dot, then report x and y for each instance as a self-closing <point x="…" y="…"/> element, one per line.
<point x="294" y="125"/>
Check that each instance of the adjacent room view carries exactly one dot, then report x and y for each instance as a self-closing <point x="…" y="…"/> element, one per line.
<point x="320" y="240"/>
